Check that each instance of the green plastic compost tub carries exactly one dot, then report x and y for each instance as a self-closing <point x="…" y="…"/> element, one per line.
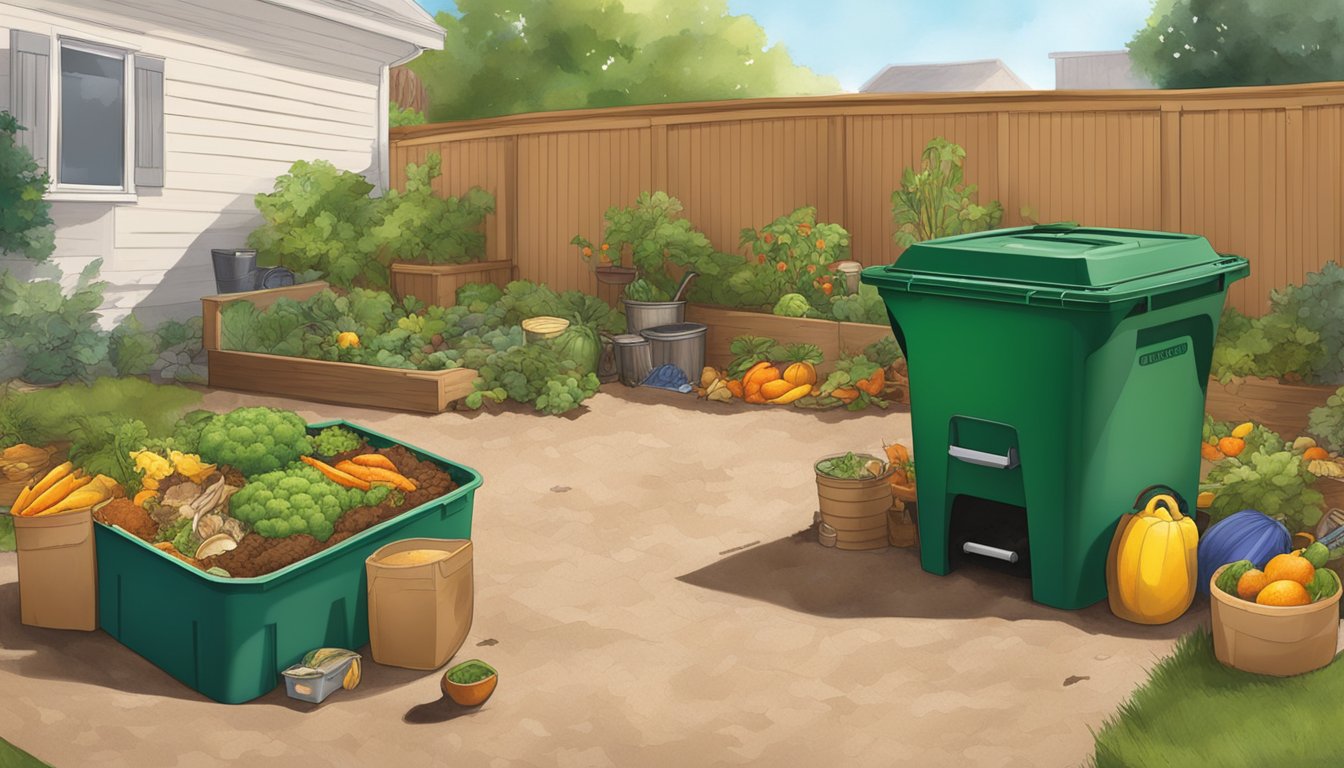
<point x="1055" y="372"/>
<point x="230" y="638"/>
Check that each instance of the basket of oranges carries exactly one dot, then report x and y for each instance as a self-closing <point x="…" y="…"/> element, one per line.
<point x="1283" y="620"/>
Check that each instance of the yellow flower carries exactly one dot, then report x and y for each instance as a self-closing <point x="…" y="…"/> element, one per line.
<point x="190" y="466"/>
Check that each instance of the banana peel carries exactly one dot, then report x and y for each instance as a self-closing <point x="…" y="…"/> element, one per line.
<point x="718" y="391"/>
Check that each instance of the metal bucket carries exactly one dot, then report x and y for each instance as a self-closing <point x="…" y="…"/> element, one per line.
<point x="641" y="315"/>
<point x="633" y="360"/>
<point x="235" y="269"/>
<point x="681" y="344"/>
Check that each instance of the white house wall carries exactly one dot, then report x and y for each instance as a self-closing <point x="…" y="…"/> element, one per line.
<point x="247" y="91"/>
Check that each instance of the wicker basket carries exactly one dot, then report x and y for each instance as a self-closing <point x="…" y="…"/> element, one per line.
<point x="12" y="483"/>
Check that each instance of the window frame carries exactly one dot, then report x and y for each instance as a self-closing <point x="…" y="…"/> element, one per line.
<point x="59" y="191"/>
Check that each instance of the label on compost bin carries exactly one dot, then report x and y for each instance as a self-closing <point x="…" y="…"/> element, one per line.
<point x="1175" y="350"/>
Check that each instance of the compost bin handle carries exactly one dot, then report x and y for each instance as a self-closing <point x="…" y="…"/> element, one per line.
<point x="983" y="459"/>
<point x="1180" y="500"/>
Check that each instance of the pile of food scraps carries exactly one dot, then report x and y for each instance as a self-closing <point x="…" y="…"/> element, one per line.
<point x="764" y="372"/>
<point x="251" y="491"/>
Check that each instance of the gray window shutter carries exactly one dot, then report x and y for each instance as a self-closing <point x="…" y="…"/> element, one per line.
<point x="148" y="121"/>
<point x="30" y="90"/>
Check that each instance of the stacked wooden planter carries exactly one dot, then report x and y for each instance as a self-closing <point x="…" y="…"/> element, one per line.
<point x="437" y="284"/>
<point x="328" y="382"/>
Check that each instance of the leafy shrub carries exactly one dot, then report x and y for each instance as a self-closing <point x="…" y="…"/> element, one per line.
<point x="317" y="219"/>
<point x="797" y="251"/>
<point x="1327" y="422"/>
<point x="1318" y="307"/>
<point x="417" y="225"/>
<point x="653" y="234"/>
<point x="398" y="117"/>
<point x="1276" y="483"/>
<point x="25" y="222"/>
<point x="937" y="201"/>
<point x="171" y="351"/>
<point x="48" y="336"/>
<point x="1272" y="346"/>
<point x="866" y="306"/>
<point x="321" y="219"/>
<point x="533" y="373"/>
<point x="255" y="440"/>
<point x="884" y="352"/>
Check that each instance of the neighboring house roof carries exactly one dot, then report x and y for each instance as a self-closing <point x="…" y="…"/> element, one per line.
<point x="1096" y="70"/>
<point x="401" y="20"/>
<point x="982" y="75"/>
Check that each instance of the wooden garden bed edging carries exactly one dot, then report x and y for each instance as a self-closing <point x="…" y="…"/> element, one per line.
<point x="1281" y="407"/>
<point x="319" y="380"/>
<point x="437" y="284"/>
<point x="833" y="337"/>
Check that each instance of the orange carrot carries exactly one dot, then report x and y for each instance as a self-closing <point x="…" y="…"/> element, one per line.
<point x="375" y="460"/>
<point x="846" y="394"/>
<point x="377" y="475"/>
<point x="335" y="475"/>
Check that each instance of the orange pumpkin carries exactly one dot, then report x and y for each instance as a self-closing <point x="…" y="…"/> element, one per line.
<point x="1209" y="452"/>
<point x="1315" y="453"/>
<point x="1231" y="446"/>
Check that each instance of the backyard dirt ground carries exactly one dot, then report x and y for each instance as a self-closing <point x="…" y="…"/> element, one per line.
<point x="646" y="588"/>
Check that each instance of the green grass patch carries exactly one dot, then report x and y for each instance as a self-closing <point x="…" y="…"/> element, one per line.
<point x="53" y="415"/>
<point x="13" y="757"/>
<point x="1194" y="711"/>
<point x="6" y="532"/>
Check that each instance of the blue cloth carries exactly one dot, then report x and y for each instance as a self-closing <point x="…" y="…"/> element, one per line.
<point x="668" y="376"/>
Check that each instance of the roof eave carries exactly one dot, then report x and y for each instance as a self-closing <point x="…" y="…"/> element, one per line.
<point x="423" y="34"/>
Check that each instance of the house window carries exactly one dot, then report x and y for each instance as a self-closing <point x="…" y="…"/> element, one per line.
<point x="91" y="143"/>
<point x="93" y="114"/>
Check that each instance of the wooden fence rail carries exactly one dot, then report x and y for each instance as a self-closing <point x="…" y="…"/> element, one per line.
<point x="1259" y="171"/>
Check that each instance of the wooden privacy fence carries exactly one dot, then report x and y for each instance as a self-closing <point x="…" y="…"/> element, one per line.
<point x="1259" y="171"/>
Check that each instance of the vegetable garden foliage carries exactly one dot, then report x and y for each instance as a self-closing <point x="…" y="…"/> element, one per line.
<point x="788" y="267"/>
<point x="1267" y="476"/>
<point x="1327" y="422"/>
<point x="482" y="332"/>
<point x="322" y="219"/>
<point x="103" y="421"/>
<point x="936" y="201"/>
<point x="1301" y="337"/>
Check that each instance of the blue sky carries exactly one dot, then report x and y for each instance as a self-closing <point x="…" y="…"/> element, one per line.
<point x="879" y="32"/>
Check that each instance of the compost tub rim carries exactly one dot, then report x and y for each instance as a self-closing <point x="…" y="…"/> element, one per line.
<point x="269" y="580"/>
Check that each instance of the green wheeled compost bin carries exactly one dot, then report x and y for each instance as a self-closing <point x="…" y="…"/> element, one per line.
<point x="1055" y="372"/>
<point x="230" y="638"/>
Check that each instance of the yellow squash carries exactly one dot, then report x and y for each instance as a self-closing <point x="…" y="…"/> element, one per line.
<point x="1151" y="568"/>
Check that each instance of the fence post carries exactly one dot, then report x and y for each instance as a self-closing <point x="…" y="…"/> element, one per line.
<point x="1169" y="179"/>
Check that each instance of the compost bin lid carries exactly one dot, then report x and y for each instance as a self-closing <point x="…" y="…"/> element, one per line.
<point x="1091" y="264"/>
<point x="675" y="331"/>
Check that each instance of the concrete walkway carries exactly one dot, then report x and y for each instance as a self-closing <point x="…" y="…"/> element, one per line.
<point x="644" y="587"/>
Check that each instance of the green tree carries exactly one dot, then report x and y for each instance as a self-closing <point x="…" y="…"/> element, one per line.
<point x="511" y="56"/>
<point x="25" y="220"/>
<point x="1215" y="43"/>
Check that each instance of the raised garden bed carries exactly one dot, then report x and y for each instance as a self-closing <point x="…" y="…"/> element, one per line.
<point x="437" y="284"/>
<point x="320" y="380"/>
<point x="1277" y="405"/>
<point x="834" y="338"/>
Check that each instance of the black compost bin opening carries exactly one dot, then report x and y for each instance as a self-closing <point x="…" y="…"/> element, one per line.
<point x="992" y="528"/>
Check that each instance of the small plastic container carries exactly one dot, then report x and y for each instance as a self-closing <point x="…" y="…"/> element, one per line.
<point x="420" y="614"/>
<point x="316" y="689"/>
